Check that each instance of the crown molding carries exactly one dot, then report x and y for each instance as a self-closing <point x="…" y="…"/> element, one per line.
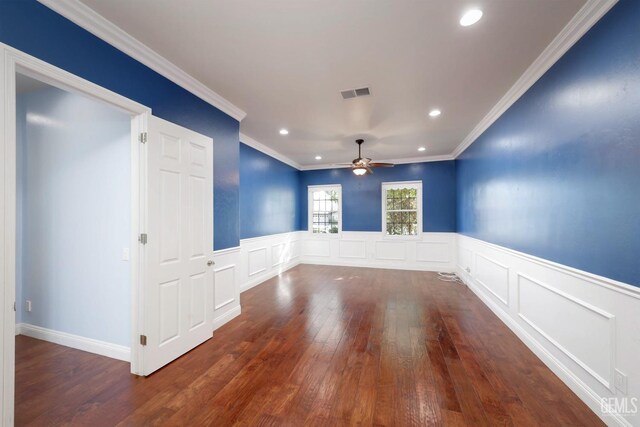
<point x="87" y="18"/>
<point x="582" y="21"/>
<point x="247" y="140"/>
<point x="403" y="161"/>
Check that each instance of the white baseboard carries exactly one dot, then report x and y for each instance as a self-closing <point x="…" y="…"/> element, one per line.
<point x="90" y="345"/>
<point x="226" y="317"/>
<point x="342" y="263"/>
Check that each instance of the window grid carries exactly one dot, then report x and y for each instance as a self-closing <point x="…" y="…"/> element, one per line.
<point x="402" y="211"/>
<point x="325" y="212"/>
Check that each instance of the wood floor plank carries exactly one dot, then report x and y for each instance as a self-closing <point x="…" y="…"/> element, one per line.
<point x="317" y="345"/>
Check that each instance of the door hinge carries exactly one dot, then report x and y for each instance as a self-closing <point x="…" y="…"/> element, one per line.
<point x="143" y="340"/>
<point x="143" y="238"/>
<point x="143" y="137"/>
<point x="14" y="306"/>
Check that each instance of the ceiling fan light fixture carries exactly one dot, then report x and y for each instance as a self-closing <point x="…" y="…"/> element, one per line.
<point x="359" y="171"/>
<point x="363" y="165"/>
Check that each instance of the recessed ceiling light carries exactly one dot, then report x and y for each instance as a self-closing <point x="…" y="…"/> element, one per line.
<point x="470" y="17"/>
<point x="421" y="149"/>
<point x="435" y="113"/>
<point x="318" y="157"/>
<point x="284" y="132"/>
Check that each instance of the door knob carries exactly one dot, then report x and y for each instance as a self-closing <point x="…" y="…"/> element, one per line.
<point x="210" y="263"/>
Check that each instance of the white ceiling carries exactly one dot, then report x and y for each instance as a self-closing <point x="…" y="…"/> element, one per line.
<point x="284" y="62"/>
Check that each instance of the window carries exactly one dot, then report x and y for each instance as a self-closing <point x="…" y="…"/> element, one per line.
<point x="402" y="208"/>
<point x="325" y="209"/>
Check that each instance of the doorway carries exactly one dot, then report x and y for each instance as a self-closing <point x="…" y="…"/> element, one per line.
<point x="73" y="228"/>
<point x="35" y="74"/>
<point x="73" y="220"/>
<point x="171" y="225"/>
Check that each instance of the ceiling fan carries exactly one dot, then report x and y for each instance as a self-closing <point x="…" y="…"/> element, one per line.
<point x="361" y="166"/>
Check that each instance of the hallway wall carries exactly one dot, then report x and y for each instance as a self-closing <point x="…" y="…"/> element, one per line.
<point x="74" y="215"/>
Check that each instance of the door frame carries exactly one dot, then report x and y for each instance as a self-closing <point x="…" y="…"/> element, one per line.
<point x="12" y="61"/>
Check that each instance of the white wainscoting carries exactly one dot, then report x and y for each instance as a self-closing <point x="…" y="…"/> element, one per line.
<point x="226" y="286"/>
<point x="430" y="252"/>
<point x="262" y="258"/>
<point x="582" y="326"/>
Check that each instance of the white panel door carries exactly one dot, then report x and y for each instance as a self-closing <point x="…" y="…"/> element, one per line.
<point x="178" y="290"/>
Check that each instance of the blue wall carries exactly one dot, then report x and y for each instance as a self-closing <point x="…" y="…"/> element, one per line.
<point x="558" y="175"/>
<point x="268" y="195"/>
<point x="554" y="176"/>
<point x="361" y="196"/>
<point x="37" y="30"/>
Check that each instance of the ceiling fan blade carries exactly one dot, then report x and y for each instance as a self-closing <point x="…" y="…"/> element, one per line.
<point x="381" y="165"/>
<point x="369" y="170"/>
<point x="342" y="164"/>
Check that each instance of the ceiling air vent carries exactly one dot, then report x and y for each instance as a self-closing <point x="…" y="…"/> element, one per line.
<point x="354" y="93"/>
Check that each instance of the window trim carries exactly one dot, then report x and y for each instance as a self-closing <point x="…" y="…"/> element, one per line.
<point x="383" y="197"/>
<point x="310" y="190"/>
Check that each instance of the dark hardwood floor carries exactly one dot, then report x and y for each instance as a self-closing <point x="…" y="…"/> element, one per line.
<point x="317" y="346"/>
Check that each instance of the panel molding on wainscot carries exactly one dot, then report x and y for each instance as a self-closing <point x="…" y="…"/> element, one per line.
<point x="428" y="252"/>
<point x="224" y="295"/>
<point x="262" y="258"/>
<point x="317" y="247"/>
<point x="257" y="261"/>
<point x="353" y="249"/>
<point x="391" y="251"/>
<point x="433" y="252"/>
<point x="603" y="369"/>
<point x="226" y="286"/>
<point x="494" y="277"/>
<point x="582" y="326"/>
